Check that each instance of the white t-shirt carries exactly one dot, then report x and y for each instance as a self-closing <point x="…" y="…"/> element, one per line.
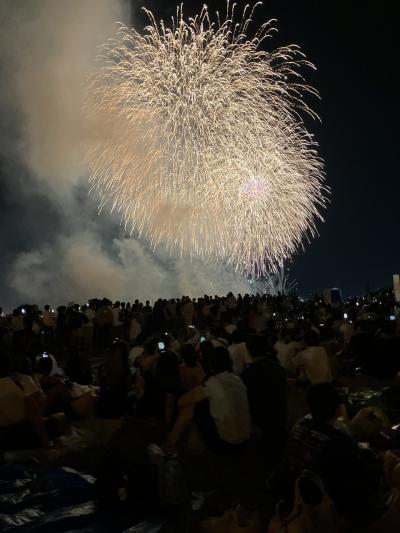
<point x="315" y="362"/>
<point x="12" y="403"/>
<point x="286" y="352"/>
<point x="116" y="317"/>
<point x="240" y="357"/>
<point x="229" y="407"/>
<point x="90" y="315"/>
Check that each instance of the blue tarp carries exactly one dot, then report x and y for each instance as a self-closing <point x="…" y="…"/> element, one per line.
<point x="61" y="500"/>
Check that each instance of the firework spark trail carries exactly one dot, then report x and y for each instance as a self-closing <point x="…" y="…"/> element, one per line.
<point x="206" y="150"/>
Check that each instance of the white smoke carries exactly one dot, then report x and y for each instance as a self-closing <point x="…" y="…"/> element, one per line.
<point x="50" y="48"/>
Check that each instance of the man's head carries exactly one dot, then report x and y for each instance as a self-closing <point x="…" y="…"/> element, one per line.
<point x="220" y="360"/>
<point x="323" y="402"/>
<point x="311" y="338"/>
<point x="47" y="307"/>
<point x="257" y="345"/>
<point x="188" y="354"/>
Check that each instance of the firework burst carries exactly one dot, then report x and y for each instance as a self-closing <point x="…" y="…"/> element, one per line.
<point x="205" y="150"/>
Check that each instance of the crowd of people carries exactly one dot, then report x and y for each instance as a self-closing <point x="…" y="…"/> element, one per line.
<point x="217" y="374"/>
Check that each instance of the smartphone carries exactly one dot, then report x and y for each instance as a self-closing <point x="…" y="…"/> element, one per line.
<point x="23" y="311"/>
<point x="392" y="317"/>
<point x="45" y="354"/>
<point x="202" y="339"/>
<point x="161" y="346"/>
<point x="191" y="327"/>
<point x="345" y="316"/>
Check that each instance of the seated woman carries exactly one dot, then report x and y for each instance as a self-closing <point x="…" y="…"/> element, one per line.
<point x="218" y="409"/>
<point x="21" y="422"/>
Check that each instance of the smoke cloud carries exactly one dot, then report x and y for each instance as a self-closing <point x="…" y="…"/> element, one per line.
<point x="72" y="254"/>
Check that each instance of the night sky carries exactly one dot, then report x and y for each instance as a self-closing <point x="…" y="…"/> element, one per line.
<point x="353" y="46"/>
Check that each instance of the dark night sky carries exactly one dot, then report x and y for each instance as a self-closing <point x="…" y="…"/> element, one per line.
<point x="353" y="45"/>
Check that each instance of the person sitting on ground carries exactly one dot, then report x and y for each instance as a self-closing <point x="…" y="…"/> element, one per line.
<point x="115" y="382"/>
<point x="286" y="348"/>
<point x="313" y="360"/>
<point x="239" y="353"/>
<point x="352" y="476"/>
<point x="191" y="372"/>
<point x="21" y="422"/>
<point x="265" y="382"/>
<point x="219" y="409"/>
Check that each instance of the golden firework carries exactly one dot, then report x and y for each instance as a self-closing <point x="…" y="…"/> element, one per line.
<point x="205" y="149"/>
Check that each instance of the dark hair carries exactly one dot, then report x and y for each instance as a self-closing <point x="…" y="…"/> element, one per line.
<point x="322" y="400"/>
<point x="188" y="354"/>
<point x="44" y="366"/>
<point x="150" y="346"/>
<point x="220" y="360"/>
<point x="123" y="348"/>
<point x="167" y="370"/>
<point x="257" y="346"/>
<point x="311" y="338"/>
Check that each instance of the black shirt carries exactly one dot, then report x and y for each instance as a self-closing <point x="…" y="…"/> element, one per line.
<point x="265" y="381"/>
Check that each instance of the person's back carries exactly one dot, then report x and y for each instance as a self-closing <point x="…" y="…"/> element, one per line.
<point x="240" y="357"/>
<point x="350" y="475"/>
<point x="115" y="382"/>
<point x="314" y="360"/>
<point x="229" y="406"/>
<point x="286" y="348"/>
<point x="265" y="381"/>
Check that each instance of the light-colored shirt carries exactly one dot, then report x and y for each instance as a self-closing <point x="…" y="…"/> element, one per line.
<point x="315" y="362"/>
<point x="134" y="353"/>
<point x="240" y="357"/>
<point x="286" y="351"/>
<point x="90" y="315"/>
<point x="229" y="407"/>
<point x="116" y="317"/>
